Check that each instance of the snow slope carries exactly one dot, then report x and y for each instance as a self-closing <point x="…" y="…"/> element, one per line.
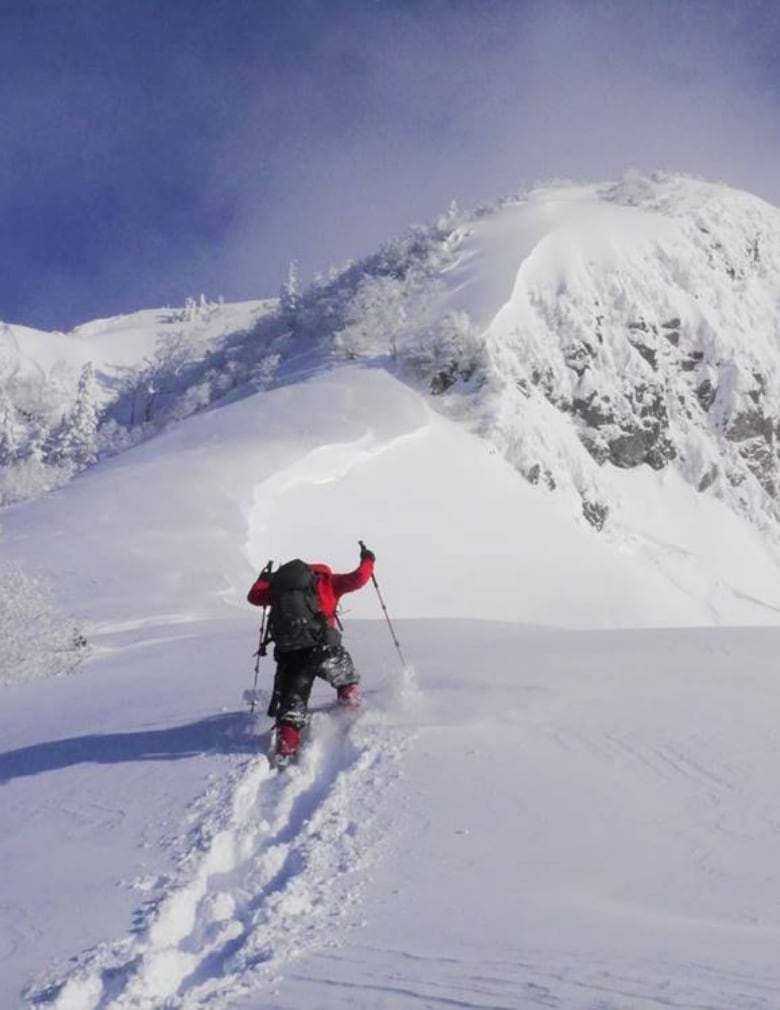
<point x="122" y="343"/>
<point x="540" y="810"/>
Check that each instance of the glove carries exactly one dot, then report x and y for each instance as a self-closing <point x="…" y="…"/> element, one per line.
<point x="367" y="555"/>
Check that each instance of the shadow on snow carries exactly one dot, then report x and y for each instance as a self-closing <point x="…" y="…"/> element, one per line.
<point x="227" y="733"/>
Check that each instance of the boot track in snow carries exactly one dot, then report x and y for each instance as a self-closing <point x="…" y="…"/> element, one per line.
<point x="270" y="870"/>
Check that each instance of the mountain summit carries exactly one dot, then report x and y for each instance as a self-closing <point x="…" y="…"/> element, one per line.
<point x="580" y="329"/>
<point x="628" y="324"/>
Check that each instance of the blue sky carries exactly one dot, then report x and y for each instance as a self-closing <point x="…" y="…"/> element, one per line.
<point x="155" y="149"/>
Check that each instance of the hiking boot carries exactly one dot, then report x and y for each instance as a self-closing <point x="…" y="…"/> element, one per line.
<point x="287" y="740"/>
<point x="349" y="696"/>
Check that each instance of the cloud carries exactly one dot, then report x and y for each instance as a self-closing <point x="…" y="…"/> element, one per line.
<point x="155" y="151"/>
<point x="472" y="101"/>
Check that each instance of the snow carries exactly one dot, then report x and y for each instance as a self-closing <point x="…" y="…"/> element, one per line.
<point x="526" y="816"/>
<point x="567" y="798"/>
<point x="120" y="345"/>
<point x="557" y="281"/>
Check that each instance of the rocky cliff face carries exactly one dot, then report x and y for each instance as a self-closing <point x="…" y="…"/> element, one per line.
<point x="643" y="325"/>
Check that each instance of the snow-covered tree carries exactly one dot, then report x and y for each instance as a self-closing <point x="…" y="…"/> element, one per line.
<point x="451" y="351"/>
<point x="377" y="315"/>
<point x="84" y="419"/>
<point x="74" y="441"/>
<point x="11" y="431"/>
<point x="199" y="308"/>
<point x="290" y="293"/>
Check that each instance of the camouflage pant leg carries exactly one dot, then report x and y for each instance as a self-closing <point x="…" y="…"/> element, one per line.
<point x="337" y="667"/>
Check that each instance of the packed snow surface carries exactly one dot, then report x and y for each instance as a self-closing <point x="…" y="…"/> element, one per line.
<point x="566" y="798"/>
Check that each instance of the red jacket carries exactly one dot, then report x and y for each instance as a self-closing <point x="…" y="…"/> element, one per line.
<point x="330" y="587"/>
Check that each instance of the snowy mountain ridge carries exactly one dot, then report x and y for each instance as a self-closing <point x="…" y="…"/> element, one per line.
<point x="580" y="329"/>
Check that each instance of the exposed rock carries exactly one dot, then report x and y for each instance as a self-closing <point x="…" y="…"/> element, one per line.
<point x="536" y="474"/>
<point x="629" y="449"/>
<point x="750" y="424"/>
<point x="705" y="394"/>
<point x="446" y="377"/>
<point x="648" y="353"/>
<point x="736" y="477"/>
<point x="578" y="356"/>
<point x="691" y="361"/>
<point x="757" y="394"/>
<point x="630" y="433"/>
<point x="596" y="445"/>
<point x="671" y="330"/>
<point x="545" y="380"/>
<point x="595" y="512"/>
<point x="637" y="445"/>
<point x="594" y="411"/>
<point x="661" y="453"/>
<point x="708" y="479"/>
<point x="443" y="380"/>
<point x="649" y="405"/>
<point x="762" y="463"/>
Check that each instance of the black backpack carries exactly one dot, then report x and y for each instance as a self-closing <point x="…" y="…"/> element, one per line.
<point x="295" y="620"/>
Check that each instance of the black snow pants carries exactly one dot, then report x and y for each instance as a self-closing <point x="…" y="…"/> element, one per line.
<point x="295" y="673"/>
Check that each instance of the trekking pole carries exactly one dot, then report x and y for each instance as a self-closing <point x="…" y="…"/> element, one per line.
<point x="384" y="608"/>
<point x="261" y="645"/>
<point x="261" y="650"/>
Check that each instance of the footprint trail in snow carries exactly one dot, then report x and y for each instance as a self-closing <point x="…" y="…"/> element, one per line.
<point x="270" y="870"/>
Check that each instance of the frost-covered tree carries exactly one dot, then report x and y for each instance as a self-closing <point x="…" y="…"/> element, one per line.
<point x="84" y="419"/>
<point x="377" y="315"/>
<point x="48" y="428"/>
<point x="199" y="308"/>
<point x="29" y="478"/>
<point x="156" y="382"/>
<point x="74" y="441"/>
<point x="452" y="351"/>
<point x="36" y="413"/>
<point x="290" y="293"/>
<point x="11" y="431"/>
<point x="264" y="372"/>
